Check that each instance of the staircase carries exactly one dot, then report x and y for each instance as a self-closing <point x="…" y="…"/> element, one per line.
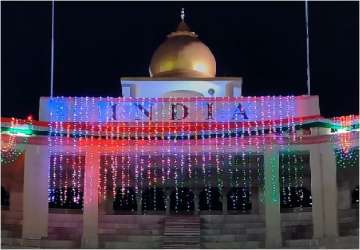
<point x="181" y="232"/>
<point x="241" y="231"/>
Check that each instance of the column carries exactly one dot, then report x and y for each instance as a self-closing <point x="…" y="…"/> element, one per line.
<point x="229" y="89"/>
<point x="91" y="206"/>
<point x="224" y="202"/>
<point x="196" y="202"/>
<point x="133" y="90"/>
<point x="316" y="192"/>
<point x="328" y="166"/>
<point x="35" y="196"/>
<point x="272" y="199"/>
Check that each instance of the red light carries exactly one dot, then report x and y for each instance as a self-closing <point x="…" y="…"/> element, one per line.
<point x="29" y="117"/>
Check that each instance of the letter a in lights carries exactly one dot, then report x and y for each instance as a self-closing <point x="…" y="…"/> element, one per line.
<point x="239" y="111"/>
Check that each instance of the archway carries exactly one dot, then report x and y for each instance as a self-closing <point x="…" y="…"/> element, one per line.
<point x="125" y="200"/>
<point x="355" y="197"/>
<point x="65" y="198"/>
<point x="292" y="197"/>
<point x="182" y="200"/>
<point x="153" y="199"/>
<point x="210" y="199"/>
<point x="5" y="198"/>
<point x="239" y="199"/>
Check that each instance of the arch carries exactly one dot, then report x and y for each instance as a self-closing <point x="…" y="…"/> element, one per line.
<point x="182" y="200"/>
<point x="183" y="93"/>
<point x="66" y="198"/>
<point x="292" y="197"/>
<point x="210" y="199"/>
<point x="238" y="199"/>
<point x="125" y="199"/>
<point x="5" y="197"/>
<point x="355" y="197"/>
<point x="153" y="199"/>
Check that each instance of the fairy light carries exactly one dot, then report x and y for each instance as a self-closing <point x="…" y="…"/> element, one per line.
<point x="61" y="165"/>
<point x="51" y="173"/>
<point x="10" y="149"/>
<point x="178" y="159"/>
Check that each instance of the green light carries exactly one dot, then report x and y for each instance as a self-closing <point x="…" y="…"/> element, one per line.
<point x="20" y="131"/>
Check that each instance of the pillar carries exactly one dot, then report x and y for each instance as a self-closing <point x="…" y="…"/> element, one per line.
<point x="133" y="90"/>
<point x="229" y="89"/>
<point x="316" y="192"/>
<point x="328" y="167"/>
<point x="224" y="202"/>
<point x="91" y="204"/>
<point x="35" y="195"/>
<point x="272" y="199"/>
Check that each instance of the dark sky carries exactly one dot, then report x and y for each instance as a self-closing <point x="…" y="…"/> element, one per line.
<point x="96" y="43"/>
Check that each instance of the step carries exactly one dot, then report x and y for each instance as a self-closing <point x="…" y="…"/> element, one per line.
<point x="13" y="242"/>
<point x="6" y="233"/>
<point x="223" y="237"/>
<point x="296" y="216"/>
<point x="344" y="242"/>
<point x="296" y="223"/>
<point x="181" y="232"/>
<point x="132" y="219"/>
<point x="12" y="216"/>
<point x="11" y="221"/>
<point x="65" y="218"/>
<point x="65" y="224"/>
<point x="303" y="243"/>
<point x="231" y="218"/>
<point x="47" y="243"/>
<point x="130" y="245"/>
<point x="233" y="245"/>
<point x="123" y="231"/>
<point x="348" y="212"/>
<point x="109" y="225"/>
<point x="233" y="225"/>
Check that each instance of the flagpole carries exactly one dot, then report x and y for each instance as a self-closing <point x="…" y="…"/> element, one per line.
<point x="307" y="48"/>
<point x="52" y="50"/>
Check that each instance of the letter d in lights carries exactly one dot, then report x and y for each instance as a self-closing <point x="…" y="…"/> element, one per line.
<point x="179" y="111"/>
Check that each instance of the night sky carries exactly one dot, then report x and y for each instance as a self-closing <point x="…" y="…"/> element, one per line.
<point x="96" y="43"/>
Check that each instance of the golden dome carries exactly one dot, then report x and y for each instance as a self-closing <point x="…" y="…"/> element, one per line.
<point x="183" y="55"/>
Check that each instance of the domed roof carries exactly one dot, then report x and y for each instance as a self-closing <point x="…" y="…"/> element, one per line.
<point x="182" y="54"/>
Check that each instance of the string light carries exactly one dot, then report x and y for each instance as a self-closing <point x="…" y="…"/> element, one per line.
<point x="180" y="146"/>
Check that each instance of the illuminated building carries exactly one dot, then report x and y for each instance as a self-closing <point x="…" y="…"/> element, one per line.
<point x="182" y="150"/>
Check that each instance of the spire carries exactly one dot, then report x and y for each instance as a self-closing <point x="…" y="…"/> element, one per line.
<point x="182" y="25"/>
<point x="182" y="28"/>
<point x="182" y="15"/>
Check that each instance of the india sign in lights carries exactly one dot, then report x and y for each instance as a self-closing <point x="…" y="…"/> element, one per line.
<point x="194" y="109"/>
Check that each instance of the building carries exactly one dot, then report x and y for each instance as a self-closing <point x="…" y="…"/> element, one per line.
<point x="183" y="159"/>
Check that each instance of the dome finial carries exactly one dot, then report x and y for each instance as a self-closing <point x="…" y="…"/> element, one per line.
<point x="182" y="14"/>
